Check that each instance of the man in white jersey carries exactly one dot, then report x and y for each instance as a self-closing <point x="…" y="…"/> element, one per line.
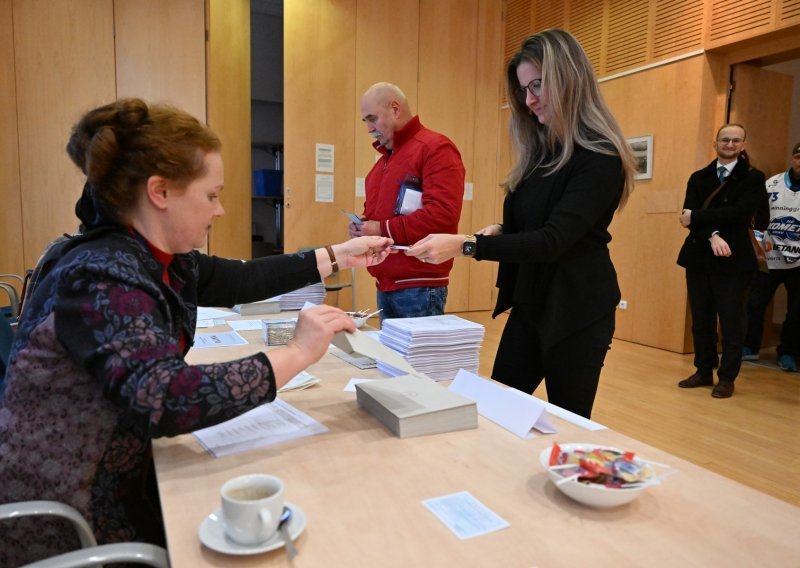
<point x="782" y="243"/>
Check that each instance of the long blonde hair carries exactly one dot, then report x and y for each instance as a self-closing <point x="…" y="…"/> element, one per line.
<point x="581" y="117"/>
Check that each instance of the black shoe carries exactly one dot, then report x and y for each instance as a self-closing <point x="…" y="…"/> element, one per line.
<point x="724" y="389"/>
<point x="697" y="380"/>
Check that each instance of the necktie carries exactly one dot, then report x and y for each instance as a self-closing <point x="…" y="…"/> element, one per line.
<point x="722" y="173"/>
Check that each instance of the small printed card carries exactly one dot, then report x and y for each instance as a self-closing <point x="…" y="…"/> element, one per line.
<point x="224" y="339"/>
<point x="464" y="515"/>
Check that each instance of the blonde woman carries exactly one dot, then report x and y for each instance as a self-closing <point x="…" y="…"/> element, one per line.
<point x="573" y="170"/>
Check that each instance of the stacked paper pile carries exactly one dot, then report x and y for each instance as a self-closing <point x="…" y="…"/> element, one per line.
<point x="437" y="346"/>
<point x="314" y="294"/>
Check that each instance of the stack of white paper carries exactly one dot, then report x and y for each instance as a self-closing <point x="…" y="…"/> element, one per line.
<point x="437" y="346"/>
<point x="314" y="294"/>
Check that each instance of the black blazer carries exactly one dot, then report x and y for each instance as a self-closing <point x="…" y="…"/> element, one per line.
<point x="730" y="212"/>
<point x="553" y="253"/>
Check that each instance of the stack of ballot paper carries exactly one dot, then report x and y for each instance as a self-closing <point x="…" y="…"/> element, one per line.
<point x="437" y="346"/>
<point x="268" y="306"/>
<point x="410" y="405"/>
<point x="314" y="294"/>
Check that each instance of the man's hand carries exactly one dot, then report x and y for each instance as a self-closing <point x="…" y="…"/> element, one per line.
<point x="719" y="246"/>
<point x="365" y="229"/>
<point x="686" y="218"/>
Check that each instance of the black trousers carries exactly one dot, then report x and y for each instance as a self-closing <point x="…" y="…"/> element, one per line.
<point x="571" y="368"/>
<point x="764" y="288"/>
<point x="722" y="296"/>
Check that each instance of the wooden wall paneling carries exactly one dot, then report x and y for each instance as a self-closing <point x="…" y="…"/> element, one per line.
<point x="761" y="102"/>
<point x="447" y="95"/>
<point x="731" y="21"/>
<point x="64" y="59"/>
<point x="647" y="235"/>
<point x="788" y="12"/>
<point x="627" y="35"/>
<point x="678" y="27"/>
<point x="228" y="99"/>
<point x="160" y="52"/>
<point x="549" y="14"/>
<point x="784" y="43"/>
<point x="319" y="95"/>
<point x="11" y="257"/>
<point x="587" y="24"/>
<point x="487" y="195"/>
<point x="383" y="53"/>
<point x="518" y="22"/>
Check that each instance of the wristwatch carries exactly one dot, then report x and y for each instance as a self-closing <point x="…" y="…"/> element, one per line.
<point x="470" y="243"/>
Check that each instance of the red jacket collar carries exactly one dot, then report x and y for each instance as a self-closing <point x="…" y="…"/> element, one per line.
<point x="401" y="135"/>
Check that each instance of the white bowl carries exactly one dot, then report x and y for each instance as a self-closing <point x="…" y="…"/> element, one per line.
<point x="591" y="494"/>
<point x="360" y="321"/>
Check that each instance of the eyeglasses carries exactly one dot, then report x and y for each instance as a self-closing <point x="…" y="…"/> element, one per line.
<point x="534" y="88"/>
<point x="734" y="141"/>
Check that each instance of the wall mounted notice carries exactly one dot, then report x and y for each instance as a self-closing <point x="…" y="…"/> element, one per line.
<point x="323" y="188"/>
<point x="325" y="157"/>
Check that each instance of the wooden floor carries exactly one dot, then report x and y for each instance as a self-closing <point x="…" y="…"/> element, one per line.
<point x="753" y="437"/>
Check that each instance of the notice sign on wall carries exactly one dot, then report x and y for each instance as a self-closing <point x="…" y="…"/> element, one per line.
<point x="323" y="188"/>
<point x="324" y="158"/>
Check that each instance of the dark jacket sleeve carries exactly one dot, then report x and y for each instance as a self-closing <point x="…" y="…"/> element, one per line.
<point x="590" y="190"/>
<point x="225" y="282"/>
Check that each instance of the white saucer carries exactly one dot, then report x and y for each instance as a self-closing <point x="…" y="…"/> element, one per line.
<point x="212" y="534"/>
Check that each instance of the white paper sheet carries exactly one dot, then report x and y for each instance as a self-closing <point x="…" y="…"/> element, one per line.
<point x="517" y="414"/>
<point x="359" y="342"/>
<point x="263" y="426"/>
<point x="465" y="515"/>
<point x="300" y="381"/>
<point x="576" y="419"/>
<point x="245" y="325"/>
<point x="212" y="313"/>
<point x="351" y="385"/>
<point x="223" y="339"/>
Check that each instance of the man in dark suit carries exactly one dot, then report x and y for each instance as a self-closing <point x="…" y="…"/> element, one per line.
<point x="718" y="257"/>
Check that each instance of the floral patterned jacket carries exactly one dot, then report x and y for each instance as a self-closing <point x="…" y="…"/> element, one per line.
<point x="97" y="370"/>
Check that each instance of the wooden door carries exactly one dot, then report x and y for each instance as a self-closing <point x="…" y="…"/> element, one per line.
<point x="64" y="61"/>
<point x="761" y="102"/>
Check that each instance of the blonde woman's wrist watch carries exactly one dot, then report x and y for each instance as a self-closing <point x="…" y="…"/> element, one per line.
<point x="470" y="243"/>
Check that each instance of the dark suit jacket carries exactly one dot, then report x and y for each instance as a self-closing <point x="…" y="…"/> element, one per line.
<point x="730" y="212"/>
<point x="553" y="253"/>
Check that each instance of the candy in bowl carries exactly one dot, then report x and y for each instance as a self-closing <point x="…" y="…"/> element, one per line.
<point x="597" y="476"/>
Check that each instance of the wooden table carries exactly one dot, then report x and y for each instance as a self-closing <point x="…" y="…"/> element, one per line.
<point x="362" y="491"/>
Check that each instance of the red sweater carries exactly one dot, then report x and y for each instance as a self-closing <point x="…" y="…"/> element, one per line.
<point x="436" y="162"/>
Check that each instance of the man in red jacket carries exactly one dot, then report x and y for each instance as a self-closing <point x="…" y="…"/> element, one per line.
<point x="416" y="188"/>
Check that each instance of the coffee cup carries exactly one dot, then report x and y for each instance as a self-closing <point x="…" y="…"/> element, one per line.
<point x="251" y="508"/>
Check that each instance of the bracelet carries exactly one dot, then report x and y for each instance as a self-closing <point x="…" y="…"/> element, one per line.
<point x="334" y="264"/>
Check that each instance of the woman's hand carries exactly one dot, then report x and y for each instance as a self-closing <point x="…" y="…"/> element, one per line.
<point x="362" y="251"/>
<point x="492" y="230"/>
<point x="314" y="332"/>
<point x="437" y="248"/>
<point x="686" y="218"/>
<point x="719" y="246"/>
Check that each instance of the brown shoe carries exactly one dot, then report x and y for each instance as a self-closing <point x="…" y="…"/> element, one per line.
<point x="724" y="389"/>
<point x="697" y="380"/>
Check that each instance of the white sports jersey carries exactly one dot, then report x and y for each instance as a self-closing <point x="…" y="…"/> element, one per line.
<point x="782" y="237"/>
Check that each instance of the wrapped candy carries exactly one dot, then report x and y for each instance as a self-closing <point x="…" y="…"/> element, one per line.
<point x="604" y="466"/>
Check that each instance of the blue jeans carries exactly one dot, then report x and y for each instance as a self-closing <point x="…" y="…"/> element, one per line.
<point x="412" y="302"/>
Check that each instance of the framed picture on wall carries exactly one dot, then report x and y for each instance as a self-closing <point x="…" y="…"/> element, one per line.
<point x="642" y="147"/>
